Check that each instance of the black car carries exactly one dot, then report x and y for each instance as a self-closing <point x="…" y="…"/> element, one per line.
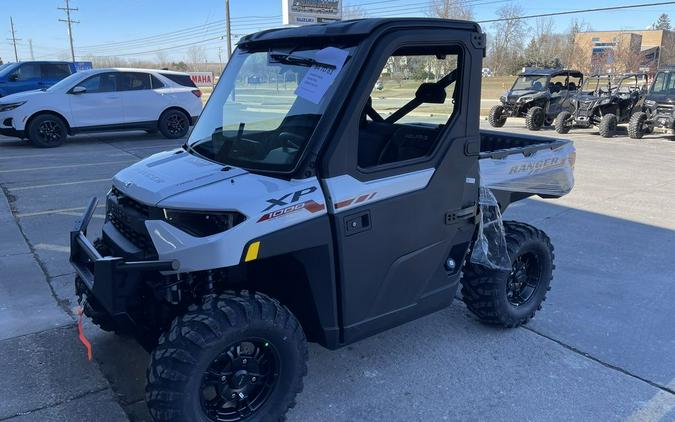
<point x="658" y="109"/>
<point x="604" y="101"/>
<point x="539" y="95"/>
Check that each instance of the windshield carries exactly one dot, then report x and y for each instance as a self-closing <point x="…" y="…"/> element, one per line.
<point x="531" y="82"/>
<point x="6" y="68"/>
<point x="600" y="84"/>
<point x="664" y="83"/>
<point x="266" y="107"/>
<point x="68" y="82"/>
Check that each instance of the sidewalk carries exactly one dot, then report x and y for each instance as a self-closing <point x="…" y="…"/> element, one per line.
<point x="45" y="375"/>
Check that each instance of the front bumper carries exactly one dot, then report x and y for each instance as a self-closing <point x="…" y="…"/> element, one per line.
<point x="112" y="281"/>
<point x="10" y="131"/>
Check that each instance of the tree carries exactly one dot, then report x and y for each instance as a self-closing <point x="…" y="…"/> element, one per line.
<point x="626" y="56"/>
<point x="162" y="58"/>
<point x="450" y="9"/>
<point x="575" y="53"/>
<point x="508" y="39"/>
<point x="196" y="57"/>
<point x="353" y="12"/>
<point x="663" y="22"/>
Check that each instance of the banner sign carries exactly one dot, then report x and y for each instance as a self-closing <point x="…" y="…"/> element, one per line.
<point x="308" y="12"/>
<point x="202" y="78"/>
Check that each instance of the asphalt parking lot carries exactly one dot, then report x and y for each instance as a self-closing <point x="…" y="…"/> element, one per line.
<point x="600" y="350"/>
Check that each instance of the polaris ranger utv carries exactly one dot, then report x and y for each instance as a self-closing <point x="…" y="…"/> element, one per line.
<point x="538" y="95"/>
<point x="306" y="214"/>
<point x="605" y="101"/>
<point x="658" y="110"/>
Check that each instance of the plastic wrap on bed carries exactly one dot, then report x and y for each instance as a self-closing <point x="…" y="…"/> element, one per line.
<point x="545" y="172"/>
<point x="489" y="249"/>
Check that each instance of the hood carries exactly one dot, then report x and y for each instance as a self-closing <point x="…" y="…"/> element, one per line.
<point x="21" y="96"/>
<point x="661" y="98"/>
<point x="516" y="94"/>
<point x="169" y="173"/>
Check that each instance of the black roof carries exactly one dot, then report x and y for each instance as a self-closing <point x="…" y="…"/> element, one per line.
<point x="355" y="29"/>
<point x="550" y="72"/>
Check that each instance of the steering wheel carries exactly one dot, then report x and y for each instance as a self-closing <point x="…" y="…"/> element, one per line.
<point x="289" y="139"/>
<point x="250" y="147"/>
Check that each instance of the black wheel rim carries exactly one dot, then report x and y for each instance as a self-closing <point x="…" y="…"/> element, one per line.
<point x="50" y="131"/>
<point x="176" y="124"/>
<point x="524" y="279"/>
<point x="239" y="380"/>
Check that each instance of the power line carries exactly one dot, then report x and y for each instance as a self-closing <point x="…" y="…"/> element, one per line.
<point x="69" y="21"/>
<point x="14" y="39"/>
<point x="571" y="12"/>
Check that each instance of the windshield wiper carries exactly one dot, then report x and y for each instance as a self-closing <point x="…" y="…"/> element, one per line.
<point x="287" y="58"/>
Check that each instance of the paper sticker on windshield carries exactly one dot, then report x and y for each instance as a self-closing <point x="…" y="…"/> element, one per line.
<point x="320" y="76"/>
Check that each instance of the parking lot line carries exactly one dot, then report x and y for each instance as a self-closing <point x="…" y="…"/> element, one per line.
<point x="51" y="185"/>
<point x="67" y="166"/>
<point x="46" y="212"/>
<point x="656" y="408"/>
<point x="53" y="248"/>
<point x="77" y="214"/>
<point x="59" y="155"/>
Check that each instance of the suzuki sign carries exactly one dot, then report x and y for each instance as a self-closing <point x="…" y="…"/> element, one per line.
<point x="308" y="12"/>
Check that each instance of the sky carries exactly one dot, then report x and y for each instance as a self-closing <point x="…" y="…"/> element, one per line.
<point x="134" y="29"/>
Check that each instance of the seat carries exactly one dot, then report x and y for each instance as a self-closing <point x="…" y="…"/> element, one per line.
<point x="408" y="142"/>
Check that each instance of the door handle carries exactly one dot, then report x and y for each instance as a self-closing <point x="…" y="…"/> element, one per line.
<point x="357" y="223"/>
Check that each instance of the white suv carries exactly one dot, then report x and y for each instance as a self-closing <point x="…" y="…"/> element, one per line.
<point x="103" y="100"/>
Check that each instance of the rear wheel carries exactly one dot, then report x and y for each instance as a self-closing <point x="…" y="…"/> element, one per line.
<point x="607" y="126"/>
<point x="47" y="131"/>
<point x="563" y="123"/>
<point x="535" y="118"/>
<point x="636" y="126"/>
<point x="511" y="298"/>
<point x="235" y="358"/>
<point x="496" y="118"/>
<point x="174" y="124"/>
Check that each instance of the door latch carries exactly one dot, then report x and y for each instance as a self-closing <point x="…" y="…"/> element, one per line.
<point x="357" y="223"/>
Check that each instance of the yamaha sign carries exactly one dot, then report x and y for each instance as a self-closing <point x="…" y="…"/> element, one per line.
<point x="308" y="12"/>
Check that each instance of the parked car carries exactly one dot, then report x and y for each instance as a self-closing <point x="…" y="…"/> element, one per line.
<point x="28" y="76"/>
<point x="103" y="100"/>
<point x="605" y="101"/>
<point x="486" y="72"/>
<point x="658" y="109"/>
<point x="539" y="95"/>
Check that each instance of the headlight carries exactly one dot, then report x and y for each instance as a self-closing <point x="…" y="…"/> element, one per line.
<point x="524" y="99"/>
<point x="604" y="101"/>
<point x="11" y="106"/>
<point x="650" y="103"/>
<point x="200" y="224"/>
<point x="502" y="99"/>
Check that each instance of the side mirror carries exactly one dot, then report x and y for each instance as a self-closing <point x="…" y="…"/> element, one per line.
<point x="78" y="90"/>
<point x="13" y="77"/>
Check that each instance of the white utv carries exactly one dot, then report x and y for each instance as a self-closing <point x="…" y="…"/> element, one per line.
<point x="301" y="209"/>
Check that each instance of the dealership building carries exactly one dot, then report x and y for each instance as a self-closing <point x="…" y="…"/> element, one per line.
<point x="652" y="48"/>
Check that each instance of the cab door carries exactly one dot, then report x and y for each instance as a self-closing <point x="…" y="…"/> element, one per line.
<point x="402" y="191"/>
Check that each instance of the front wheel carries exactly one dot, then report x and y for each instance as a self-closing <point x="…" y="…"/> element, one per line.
<point x="238" y="357"/>
<point x="47" y="131"/>
<point x="174" y="124"/>
<point x="496" y="118"/>
<point x="511" y="298"/>
<point x="563" y="123"/>
<point x="607" y="126"/>
<point x="636" y="126"/>
<point x="535" y="118"/>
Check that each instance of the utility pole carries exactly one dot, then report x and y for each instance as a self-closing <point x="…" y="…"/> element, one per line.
<point x="14" y="39"/>
<point x="227" y="28"/>
<point x="30" y="47"/>
<point x="69" y="21"/>
<point x="220" y="58"/>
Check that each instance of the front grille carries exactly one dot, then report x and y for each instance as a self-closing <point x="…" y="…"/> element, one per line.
<point x="128" y="216"/>
<point x="586" y="105"/>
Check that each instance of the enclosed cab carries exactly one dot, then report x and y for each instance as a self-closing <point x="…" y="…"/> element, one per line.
<point x="605" y="101"/>
<point x="658" y="110"/>
<point x="538" y="95"/>
<point x="318" y="211"/>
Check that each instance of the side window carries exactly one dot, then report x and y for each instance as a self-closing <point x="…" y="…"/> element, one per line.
<point x="413" y="99"/>
<point x="55" y="70"/>
<point x="156" y="83"/>
<point x="134" y="81"/>
<point x="103" y="82"/>
<point x="28" y="71"/>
